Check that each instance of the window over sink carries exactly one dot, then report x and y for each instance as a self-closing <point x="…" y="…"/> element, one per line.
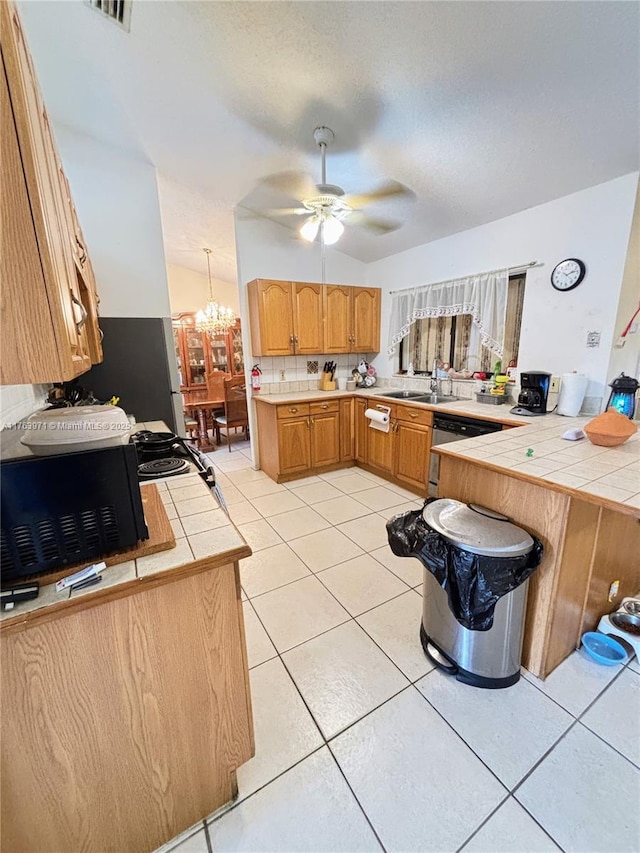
<point x="457" y="341"/>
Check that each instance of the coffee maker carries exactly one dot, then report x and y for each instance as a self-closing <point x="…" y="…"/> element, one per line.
<point x="534" y="390"/>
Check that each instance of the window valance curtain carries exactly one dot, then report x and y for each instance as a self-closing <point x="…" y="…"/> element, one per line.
<point x="483" y="296"/>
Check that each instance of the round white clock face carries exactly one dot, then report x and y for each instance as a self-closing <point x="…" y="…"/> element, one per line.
<point x="568" y="274"/>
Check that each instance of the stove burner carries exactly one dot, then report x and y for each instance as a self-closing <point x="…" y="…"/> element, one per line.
<point x="163" y="467"/>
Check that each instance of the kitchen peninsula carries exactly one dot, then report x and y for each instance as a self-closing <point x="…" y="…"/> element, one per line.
<point x="582" y="500"/>
<point x="126" y="706"/>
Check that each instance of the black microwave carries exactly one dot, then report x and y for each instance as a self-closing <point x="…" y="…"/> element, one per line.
<point x="68" y="508"/>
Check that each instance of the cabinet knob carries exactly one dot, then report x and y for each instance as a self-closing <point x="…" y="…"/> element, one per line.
<point x="413" y="414"/>
<point x="324" y="406"/>
<point x="293" y="409"/>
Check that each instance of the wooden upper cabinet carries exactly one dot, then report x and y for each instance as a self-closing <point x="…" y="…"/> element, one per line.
<point x="307" y="318"/>
<point x="49" y="301"/>
<point x="352" y="319"/>
<point x="338" y="313"/>
<point x="271" y="314"/>
<point x="366" y="319"/>
<point x="286" y="317"/>
<point x="304" y="318"/>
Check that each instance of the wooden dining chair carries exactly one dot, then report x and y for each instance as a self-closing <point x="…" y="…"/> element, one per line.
<point x="235" y="408"/>
<point x="215" y="391"/>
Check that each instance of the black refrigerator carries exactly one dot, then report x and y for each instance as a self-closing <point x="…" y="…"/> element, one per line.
<point x="140" y="368"/>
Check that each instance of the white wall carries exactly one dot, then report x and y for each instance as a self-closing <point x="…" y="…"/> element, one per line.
<point x="627" y="358"/>
<point x="116" y="196"/>
<point x="189" y="290"/>
<point x="593" y="225"/>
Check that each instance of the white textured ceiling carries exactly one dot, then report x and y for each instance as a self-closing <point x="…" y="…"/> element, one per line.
<point x="481" y="108"/>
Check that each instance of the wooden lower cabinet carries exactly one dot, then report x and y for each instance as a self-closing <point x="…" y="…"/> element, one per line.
<point x="346" y="429"/>
<point x="412" y="446"/>
<point x="293" y="445"/>
<point x="360" y="430"/>
<point x="380" y="449"/>
<point x="127" y="717"/>
<point x="324" y="434"/>
<point x="295" y="440"/>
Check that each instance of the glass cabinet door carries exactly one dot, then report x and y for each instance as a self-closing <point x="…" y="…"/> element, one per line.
<point x="237" y="357"/>
<point x="178" y="350"/>
<point x="219" y="356"/>
<point x="196" y="368"/>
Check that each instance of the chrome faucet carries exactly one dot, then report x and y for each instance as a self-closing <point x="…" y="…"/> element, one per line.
<point x="433" y="385"/>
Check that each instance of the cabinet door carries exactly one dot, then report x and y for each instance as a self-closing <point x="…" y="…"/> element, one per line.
<point x="337" y="309"/>
<point x="294" y="445"/>
<point x="380" y="448"/>
<point x="412" y="444"/>
<point x="366" y="319"/>
<point x="307" y="318"/>
<point x="236" y="355"/>
<point x="325" y="439"/>
<point x="361" y="429"/>
<point x="346" y="429"/>
<point x="274" y="304"/>
<point x="196" y="367"/>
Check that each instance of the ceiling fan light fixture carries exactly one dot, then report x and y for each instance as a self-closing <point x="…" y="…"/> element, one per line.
<point x="309" y="228"/>
<point x="332" y="230"/>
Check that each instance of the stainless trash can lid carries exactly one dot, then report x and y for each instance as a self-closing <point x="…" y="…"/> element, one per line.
<point x="477" y="529"/>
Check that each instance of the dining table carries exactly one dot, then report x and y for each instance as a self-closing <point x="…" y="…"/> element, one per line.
<point x="201" y="409"/>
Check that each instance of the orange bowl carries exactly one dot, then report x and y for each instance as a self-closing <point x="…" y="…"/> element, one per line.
<point x="610" y="429"/>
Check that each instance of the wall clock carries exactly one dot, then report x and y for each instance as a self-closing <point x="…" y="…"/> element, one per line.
<point x="568" y="274"/>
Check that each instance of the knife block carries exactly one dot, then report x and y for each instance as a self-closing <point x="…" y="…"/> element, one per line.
<point x="326" y="383"/>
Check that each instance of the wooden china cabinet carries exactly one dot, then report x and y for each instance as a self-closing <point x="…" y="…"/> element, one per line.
<point x="198" y="354"/>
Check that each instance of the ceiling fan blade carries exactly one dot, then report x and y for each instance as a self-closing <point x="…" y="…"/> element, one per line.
<point x="285" y="211"/>
<point x="376" y="226"/>
<point x="391" y="189"/>
<point x="294" y="184"/>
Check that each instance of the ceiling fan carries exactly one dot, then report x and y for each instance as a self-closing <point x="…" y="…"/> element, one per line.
<point x="326" y="205"/>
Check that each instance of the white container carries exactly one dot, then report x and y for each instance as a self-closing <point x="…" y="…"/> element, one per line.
<point x="76" y="428"/>
<point x="342" y="383"/>
<point x="574" y="387"/>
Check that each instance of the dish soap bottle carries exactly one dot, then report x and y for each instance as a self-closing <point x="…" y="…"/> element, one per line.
<point x="410" y="370"/>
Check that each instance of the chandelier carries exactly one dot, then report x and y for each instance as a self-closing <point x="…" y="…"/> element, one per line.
<point x="215" y="318"/>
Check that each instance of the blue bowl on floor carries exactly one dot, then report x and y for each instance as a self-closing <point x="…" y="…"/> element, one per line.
<point x="603" y="648"/>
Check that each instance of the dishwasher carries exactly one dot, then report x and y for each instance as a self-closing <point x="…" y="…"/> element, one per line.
<point x="448" y="428"/>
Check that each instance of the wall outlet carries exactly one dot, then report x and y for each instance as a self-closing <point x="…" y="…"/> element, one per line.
<point x="554" y="387"/>
<point x="282" y="376"/>
<point x="593" y="339"/>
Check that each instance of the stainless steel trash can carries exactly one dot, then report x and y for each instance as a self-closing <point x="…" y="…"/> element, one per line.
<point x="483" y="658"/>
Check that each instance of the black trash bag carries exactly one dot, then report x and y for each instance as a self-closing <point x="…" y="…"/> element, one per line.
<point x="473" y="582"/>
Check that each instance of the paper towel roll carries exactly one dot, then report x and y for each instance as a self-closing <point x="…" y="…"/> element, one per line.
<point x="378" y="420"/>
<point x="574" y="387"/>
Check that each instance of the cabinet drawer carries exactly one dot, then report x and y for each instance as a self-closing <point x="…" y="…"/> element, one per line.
<point x="414" y="415"/>
<point x="293" y="410"/>
<point x="323" y="408"/>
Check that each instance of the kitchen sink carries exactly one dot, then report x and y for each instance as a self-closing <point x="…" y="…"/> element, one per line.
<point x="403" y="395"/>
<point x="435" y="399"/>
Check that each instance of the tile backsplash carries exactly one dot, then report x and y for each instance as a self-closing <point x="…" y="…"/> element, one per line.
<point x="296" y="372"/>
<point x="20" y="401"/>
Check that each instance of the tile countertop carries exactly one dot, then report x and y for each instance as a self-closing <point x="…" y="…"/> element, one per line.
<point x="461" y="407"/>
<point x="204" y="534"/>
<point x="608" y="476"/>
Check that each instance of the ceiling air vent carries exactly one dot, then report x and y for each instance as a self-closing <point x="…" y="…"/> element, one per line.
<point x="118" y="10"/>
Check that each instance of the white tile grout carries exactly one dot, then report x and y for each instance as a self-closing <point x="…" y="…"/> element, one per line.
<point x="327" y="742"/>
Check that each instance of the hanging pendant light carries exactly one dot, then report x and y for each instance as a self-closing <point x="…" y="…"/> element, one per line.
<point x="215" y="318"/>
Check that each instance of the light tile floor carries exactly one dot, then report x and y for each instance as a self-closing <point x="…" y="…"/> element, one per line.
<point x="360" y="743"/>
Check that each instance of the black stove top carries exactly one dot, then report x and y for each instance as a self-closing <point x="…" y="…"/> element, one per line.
<point x="166" y="455"/>
<point x="163" y="467"/>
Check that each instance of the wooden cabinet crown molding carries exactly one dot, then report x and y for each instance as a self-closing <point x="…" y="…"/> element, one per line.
<point x="49" y="303"/>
